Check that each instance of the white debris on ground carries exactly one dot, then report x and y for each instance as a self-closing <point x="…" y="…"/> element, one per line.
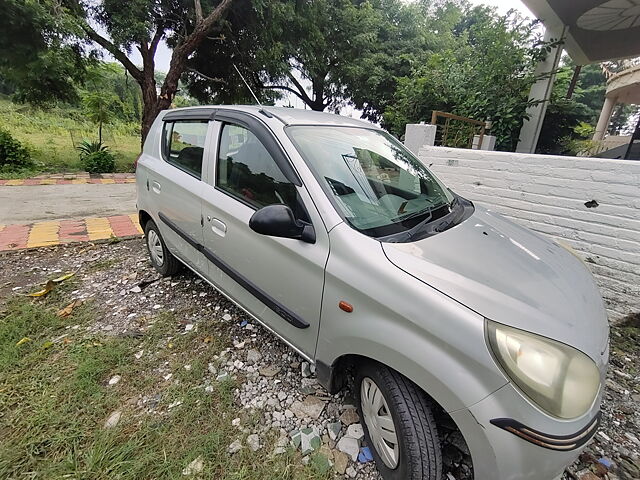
<point x="273" y="382"/>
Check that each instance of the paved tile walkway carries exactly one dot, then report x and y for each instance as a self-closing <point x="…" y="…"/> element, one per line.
<point x="42" y="234"/>
<point x="71" y="180"/>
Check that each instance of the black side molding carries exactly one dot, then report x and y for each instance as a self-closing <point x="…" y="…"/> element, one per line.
<point x="244" y="282"/>
<point x="546" y="440"/>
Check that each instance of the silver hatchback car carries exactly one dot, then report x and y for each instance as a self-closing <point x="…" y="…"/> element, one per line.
<point x="442" y="313"/>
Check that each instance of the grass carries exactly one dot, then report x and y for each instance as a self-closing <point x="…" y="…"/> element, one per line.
<point x="52" y="133"/>
<point x="55" y="398"/>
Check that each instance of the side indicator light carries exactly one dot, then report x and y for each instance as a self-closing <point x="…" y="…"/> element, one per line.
<point x="347" y="307"/>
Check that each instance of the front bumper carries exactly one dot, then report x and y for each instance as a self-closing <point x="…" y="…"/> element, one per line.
<point x="510" y="439"/>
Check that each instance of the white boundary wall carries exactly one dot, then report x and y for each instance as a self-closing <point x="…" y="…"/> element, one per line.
<point x="548" y="194"/>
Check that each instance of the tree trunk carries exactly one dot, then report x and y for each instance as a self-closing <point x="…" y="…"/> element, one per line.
<point x="150" y="108"/>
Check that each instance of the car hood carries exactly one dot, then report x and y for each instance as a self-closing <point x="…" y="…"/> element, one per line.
<point x="513" y="276"/>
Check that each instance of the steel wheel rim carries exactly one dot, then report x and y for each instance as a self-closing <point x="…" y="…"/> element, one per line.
<point x="155" y="247"/>
<point x="379" y="421"/>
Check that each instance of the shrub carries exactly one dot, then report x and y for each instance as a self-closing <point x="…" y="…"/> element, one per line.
<point x="101" y="161"/>
<point x="87" y="148"/>
<point x="13" y="154"/>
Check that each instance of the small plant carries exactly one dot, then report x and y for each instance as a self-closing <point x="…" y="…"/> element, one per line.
<point x="101" y="161"/>
<point x="13" y="154"/>
<point x="87" y="148"/>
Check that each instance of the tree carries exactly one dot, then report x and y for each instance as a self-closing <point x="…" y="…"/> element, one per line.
<point x="305" y="48"/>
<point x="484" y="71"/>
<point x="100" y="108"/>
<point x="41" y="60"/>
<point x="142" y="24"/>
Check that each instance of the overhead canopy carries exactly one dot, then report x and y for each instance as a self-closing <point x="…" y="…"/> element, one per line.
<point x="597" y="30"/>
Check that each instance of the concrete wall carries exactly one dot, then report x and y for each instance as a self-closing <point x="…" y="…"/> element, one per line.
<point x="548" y="194"/>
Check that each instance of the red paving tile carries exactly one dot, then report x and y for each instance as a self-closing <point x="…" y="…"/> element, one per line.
<point x="73" y="231"/>
<point x="14" y="236"/>
<point x="122" y="226"/>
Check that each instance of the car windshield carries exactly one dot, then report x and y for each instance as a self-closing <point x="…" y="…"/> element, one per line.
<point x="375" y="183"/>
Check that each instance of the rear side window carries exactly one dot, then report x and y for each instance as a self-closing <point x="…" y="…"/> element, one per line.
<point x="183" y="145"/>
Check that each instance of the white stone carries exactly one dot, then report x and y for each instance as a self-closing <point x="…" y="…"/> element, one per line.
<point x="113" y="420"/>
<point x="356" y="431"/>
<point x="350" y="446"/>
<point x="351" y="472"/>
<point x="195" y="467"/>
<point x="115" y="379"/>
<point x="253" y="441"/>
<point x="235" y="447"/>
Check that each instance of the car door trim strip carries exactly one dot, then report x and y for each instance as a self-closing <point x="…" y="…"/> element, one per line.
<point x="237" y="277"/>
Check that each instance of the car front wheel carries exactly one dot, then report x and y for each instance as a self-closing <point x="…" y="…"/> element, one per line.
<point x="398" y="424"/>
<point x="161" y="258"/>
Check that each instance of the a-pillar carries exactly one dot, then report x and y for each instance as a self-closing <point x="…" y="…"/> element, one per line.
<point x="605" y="118"/>
<point x="541" y="91"/>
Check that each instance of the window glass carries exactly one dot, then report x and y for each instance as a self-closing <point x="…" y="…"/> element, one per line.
<point x="184" y="145"/>
<point x="377" y="185"/>
<point x="246" y="170"/>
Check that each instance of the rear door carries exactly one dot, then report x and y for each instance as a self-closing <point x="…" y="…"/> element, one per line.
<point x="176" y="186"/>
<point x="278" y="280"/>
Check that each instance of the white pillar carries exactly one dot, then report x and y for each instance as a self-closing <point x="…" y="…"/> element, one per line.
<point x="488" y="142"/>
<point x="604" y="119"/>
<point x="416" y="135"/>
<point x="541" y="92"/>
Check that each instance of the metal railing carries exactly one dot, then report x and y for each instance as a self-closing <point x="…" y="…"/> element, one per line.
<point x="456" y="131"/>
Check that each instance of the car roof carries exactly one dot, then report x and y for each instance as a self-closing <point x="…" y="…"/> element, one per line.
<point x="288" y="116"/>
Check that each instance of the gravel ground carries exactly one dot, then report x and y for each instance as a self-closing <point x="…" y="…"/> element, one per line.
<point x="273" y="381"/>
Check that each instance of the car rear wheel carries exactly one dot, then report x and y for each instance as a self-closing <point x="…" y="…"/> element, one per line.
<point x="398" y="424"/>
<point x="161" y="258"/>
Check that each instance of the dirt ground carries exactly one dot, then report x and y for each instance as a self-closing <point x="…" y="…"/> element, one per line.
<point x="128" y="296"/>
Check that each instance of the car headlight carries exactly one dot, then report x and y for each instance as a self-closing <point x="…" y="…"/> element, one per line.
<point x="559" y="379"/>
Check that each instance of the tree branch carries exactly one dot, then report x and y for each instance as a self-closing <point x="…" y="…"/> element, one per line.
<point x="198" y="8"/>
<point x="284" y="87"/>
<point x="206" y="77"/>
<point x="303" y="93"/>
<point x="153" y="46"/>
<point x="188" y="45"/>
<point x="113" y="50"/>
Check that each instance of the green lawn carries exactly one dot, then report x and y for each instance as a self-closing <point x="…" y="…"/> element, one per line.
<point x="55" y="399"/>
<point x="51" y="135"/>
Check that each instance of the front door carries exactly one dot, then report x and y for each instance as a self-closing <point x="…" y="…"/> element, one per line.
<point x="278" y="280"/>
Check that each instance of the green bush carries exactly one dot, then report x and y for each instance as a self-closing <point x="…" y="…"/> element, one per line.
<point x="101" y="161"/>
<point x="86" y="148"/>
<point x="13" y="155"/>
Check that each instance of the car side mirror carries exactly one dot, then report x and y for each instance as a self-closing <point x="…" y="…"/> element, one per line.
<point x="279" y="221"/>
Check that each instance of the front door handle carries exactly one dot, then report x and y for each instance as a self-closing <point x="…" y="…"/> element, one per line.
<point x="156" y="187"/>
<point x="218" y="227"/>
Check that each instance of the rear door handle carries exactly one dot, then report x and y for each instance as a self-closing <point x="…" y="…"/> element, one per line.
<point x="156" y="187"/>
<point x="218" y="227"/>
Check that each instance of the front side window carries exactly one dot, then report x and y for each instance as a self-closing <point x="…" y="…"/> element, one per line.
<point x="183" y="145"/>
<point x="247" y="171"/>
<point x="377" y="186"/>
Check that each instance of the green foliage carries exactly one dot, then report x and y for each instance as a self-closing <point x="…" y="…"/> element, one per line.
<point x="13" y="155"/>
<point x="100" y="108"/>
<point x="101" y="161"/>
<point x="87" y="147"/>
<point x="51" y="135"/>
<point x="40" y="57"/>
<point x="484" y="71"/>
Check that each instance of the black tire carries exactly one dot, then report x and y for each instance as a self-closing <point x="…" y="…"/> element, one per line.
<point x="420" y="456"/>
<point x="167" y="265"/>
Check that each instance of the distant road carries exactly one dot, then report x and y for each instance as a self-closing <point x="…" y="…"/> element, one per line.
<point x="28" y="204"/>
